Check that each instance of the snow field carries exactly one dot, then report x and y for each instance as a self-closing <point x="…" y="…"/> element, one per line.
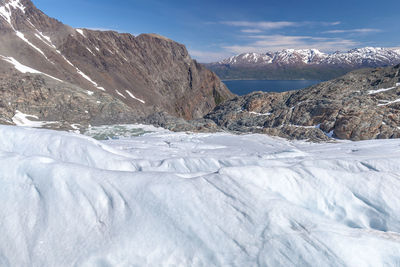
<point x="175" y="199"/>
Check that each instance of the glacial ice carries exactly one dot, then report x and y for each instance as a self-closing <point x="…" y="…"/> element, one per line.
<point x="177" y="199"/>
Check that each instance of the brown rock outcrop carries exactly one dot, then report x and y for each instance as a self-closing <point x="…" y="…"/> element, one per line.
<point x="148" y="73"/>
<point x="364" y="104"/>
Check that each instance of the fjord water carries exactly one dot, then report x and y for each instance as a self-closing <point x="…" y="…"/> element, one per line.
<point x="244" y="87"/>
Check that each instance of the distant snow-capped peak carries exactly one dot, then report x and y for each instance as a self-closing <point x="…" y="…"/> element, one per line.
<point x="357" y="56"/>
<point x="248" y="57"/>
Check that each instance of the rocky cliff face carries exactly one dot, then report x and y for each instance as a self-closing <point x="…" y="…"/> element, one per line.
<point x="364" y="104"/>
<point x="146" y="74"/>
<point x="36" y="100"/>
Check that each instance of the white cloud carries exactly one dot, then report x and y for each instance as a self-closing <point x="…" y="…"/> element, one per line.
<point x="265" y="25"/>
<point x="335" y="23"/>
<point x="207" y="56"/>
<point x="109" y="29"/>
<point x="251" y="31"/>
<point x="274" y="25"/>
<point x="364" y="30"/>
<point x="103" y="29"/>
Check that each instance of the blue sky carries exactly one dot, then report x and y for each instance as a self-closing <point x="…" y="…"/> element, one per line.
<point x="212" y="30"/>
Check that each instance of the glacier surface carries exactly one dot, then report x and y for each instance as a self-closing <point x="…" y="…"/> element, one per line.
<point x="177" y="199"/>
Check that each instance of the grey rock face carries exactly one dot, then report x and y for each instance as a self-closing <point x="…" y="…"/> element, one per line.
<point x="172" y="123"/>
<point x="67" y="106"/>
<point x="364" y="104"/>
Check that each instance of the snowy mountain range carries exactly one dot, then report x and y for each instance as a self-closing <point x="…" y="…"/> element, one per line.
<point x="304" y="63"/>
<point x="367" y="56"/>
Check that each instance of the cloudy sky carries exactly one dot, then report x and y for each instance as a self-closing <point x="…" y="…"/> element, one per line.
<point x="213" y="29"/>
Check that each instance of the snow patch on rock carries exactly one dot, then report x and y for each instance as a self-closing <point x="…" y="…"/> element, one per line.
<point x="21" y="119"/>
<point x="80" y="31"/>
<point x="91" y="52"/>
<point x="372" y="92"/>
<point x="81" y="73"/>
<point x="25" y="69"/>
<point x="45" y="39"/>
<point x="388" y="102"/>
<point x="6" y="11"/>
<point x="120" y="94"/>
<point x="22" y="37"/>
<point x="259" y="114"/>
<point x="132" y="96"/>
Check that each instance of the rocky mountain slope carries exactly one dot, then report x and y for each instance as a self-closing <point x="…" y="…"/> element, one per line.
<point x="37" y="100"/>
<point x="364" y="104"/>
<point x="303" y="64"/>
<point x="54" y="76"/>
<point x="139" y="75"/>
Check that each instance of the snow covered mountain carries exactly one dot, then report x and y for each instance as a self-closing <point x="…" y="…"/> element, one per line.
<point x="303" y="64"/>
<point x="177" y="199"/>
<point x="367" y="56"/>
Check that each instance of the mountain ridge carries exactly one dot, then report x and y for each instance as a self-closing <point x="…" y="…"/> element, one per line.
<point x="147" y="73"/>
<point x="356" y="56"/>
<point x="303" y="63"/>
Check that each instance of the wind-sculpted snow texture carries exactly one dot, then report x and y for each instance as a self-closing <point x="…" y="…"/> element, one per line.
<point x="175" y="199"/>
